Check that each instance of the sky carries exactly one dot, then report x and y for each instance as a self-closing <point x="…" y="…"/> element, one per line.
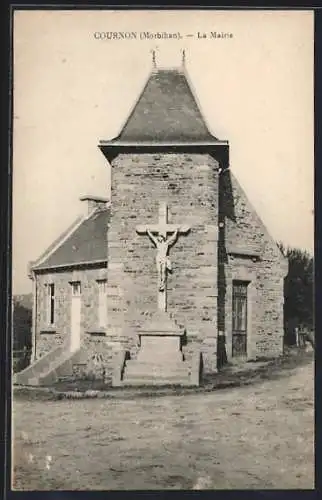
<point x="73" y="89"/>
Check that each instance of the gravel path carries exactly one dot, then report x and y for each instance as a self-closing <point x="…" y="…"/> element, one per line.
<point x="250" y="437"/>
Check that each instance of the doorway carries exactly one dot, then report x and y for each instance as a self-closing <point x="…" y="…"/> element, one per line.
<point x="239" y="319"/>
<point x="75" y="316"/>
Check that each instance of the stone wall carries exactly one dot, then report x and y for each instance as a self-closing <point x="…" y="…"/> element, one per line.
<point x="97" y="351"/>
<point x="204" y="267"/>
<point x="189" y="185"/>
<point x="243" y="229"/>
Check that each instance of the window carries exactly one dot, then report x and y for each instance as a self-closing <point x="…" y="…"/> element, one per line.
<point x="102" y="304"/>
<point x="240" y="306"/>
<point x="239" y="317"/>
<point x="76" y="288"/>
<point x="50" y="303"/>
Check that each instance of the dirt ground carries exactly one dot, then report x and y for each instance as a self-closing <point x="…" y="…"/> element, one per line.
<point x="257" y="436"/>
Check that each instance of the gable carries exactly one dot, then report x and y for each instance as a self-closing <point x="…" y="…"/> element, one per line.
<point x="245" y="231"/>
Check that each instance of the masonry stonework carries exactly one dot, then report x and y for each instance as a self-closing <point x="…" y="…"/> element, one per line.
<point x="205" y="264"/>
<point x="243" y="230"/>
<point x="189" y="186"/>
<point x="96" y="348"/>
<point x="164" y="154"/>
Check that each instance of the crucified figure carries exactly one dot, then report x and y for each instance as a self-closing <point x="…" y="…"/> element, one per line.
<point x="162" y="261"/>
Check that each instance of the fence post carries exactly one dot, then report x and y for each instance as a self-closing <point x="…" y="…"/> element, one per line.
<point x="297" y="340"/>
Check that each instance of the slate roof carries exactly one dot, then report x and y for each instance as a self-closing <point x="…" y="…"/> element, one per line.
<point x="86" y="244"/>
<point x="166" y="111"/>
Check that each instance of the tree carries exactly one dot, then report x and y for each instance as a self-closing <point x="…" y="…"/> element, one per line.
<point x="298" y="291"/>
<point x="21" y="319"/>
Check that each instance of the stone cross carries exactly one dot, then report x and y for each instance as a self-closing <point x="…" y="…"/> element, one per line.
<point x="158" y="233"/>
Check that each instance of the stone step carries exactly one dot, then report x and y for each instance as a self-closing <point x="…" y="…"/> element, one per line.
<point x="146" y="381"/>
<point x="155" y="359"/>
<point x="156" y="372"/>
<point x="52" y="366"/>
<point x="37" y="367"/>
<point x="152" y="358"/>
<point x="151" y="378"/>
<point x="33" y="381"/>
<point x="164" y="364"/>
<point x="155" y="376"/>
<point x="60" y="367"/>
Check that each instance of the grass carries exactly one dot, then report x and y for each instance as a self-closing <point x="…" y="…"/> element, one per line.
<point x="256" y="436"/>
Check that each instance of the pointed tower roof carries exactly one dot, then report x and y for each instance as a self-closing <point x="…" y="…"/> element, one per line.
<point x="166" y="110"/>
<point x="165" y="116"/>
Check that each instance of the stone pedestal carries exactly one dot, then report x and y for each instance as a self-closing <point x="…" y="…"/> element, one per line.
<point x="163" y="349"/>
<point x="160" y="359"/>
<point x="161" y="334"/>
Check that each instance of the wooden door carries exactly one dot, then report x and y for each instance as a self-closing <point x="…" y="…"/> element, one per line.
<point x="239" y="316"/>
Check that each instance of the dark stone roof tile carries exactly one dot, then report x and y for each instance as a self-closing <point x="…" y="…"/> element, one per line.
<point x="166" y="111"/>
<point x="88" y="243"/>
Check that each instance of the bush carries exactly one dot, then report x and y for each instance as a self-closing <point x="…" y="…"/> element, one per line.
<point x="22" y="321"/>
<point x="298" y="292"/>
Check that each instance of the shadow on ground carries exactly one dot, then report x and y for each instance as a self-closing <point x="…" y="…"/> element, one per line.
<point x="232" y="375"/>
<point x="259" y="370"/>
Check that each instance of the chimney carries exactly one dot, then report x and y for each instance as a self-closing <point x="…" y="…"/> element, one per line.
<point x="92" y="203"/>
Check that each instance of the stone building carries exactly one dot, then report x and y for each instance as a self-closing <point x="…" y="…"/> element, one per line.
<point x="177" y="275"/>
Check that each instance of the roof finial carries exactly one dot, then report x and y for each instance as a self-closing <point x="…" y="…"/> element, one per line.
<point x="183" y="57"/>
<point x="153" y="58"/>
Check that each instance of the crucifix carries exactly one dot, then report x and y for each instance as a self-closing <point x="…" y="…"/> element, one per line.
<point x="158" y="234"/>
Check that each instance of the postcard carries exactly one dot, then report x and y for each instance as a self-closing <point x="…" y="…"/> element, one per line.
<point x="162" y="262"/>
